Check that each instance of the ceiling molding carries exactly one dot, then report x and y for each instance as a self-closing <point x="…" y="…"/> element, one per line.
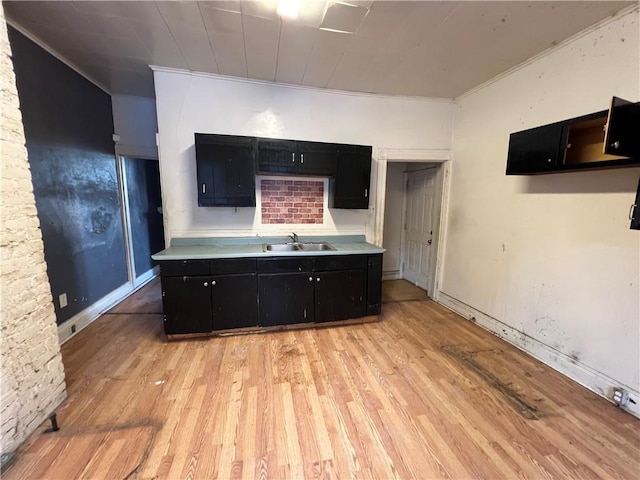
<point x="157" y="68"/>
<point x="622" y="13"/>
<point x="55" y="54"/>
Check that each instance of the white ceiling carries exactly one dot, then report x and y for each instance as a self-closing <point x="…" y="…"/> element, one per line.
<point x="410" y="48"/>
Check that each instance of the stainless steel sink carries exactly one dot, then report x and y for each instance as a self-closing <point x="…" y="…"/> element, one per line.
<point x="315" y="247"/>
<point x="296" y="247"/>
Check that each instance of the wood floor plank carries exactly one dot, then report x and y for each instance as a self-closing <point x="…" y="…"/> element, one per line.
<point x="423" y="393"/>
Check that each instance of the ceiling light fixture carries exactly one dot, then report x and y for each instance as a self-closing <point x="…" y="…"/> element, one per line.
<point x="288" y="8"/>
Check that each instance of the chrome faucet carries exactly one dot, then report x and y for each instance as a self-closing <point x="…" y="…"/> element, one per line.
<point x="294" y="237"/>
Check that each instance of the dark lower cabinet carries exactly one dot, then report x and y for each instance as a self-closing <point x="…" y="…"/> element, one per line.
<point x="186" y="304"/>
<point x="204" y="296"/>
<point x="233" y="300"/>
<point x="339" y="295"/>
<point x="634" y="211"/>
<point x="285" y="298"/>
<point x="374" y="284"/>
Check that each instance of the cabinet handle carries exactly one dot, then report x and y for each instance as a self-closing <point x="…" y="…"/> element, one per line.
<point x="311" y="279"/>
<point x="318" y="279"/>
<point x="293" y="157"/>
<point x="204" y="188"/>
<point x="206" y="284"/>
<point x="213" y="282"/>
<point x="631" y="209"/>
<point x="548" y="160"/>
<point x="616" y="144"/>
<point x="302" y="158"/>
<point x="366" y="192"/>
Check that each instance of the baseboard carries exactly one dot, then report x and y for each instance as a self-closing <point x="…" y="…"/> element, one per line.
<point x="88" y="315"/>
<point x="392" y="275"/>
<point x="586" y="376"/>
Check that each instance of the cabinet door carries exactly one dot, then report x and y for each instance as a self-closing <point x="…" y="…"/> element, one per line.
<point x="623" y="125"/>
<point x="374" y="284"/>
<point x="186" y="303"/>
<point x="234" y="301"/>
<point x="536" y="150"/>
<point x="277" y="156"/>
<point x="285" y="298"/>
<point x="634" y="214"/>
<point x="225" y="175"/>
<point x="317" y="158"/>
<point x="352" y="177"/>
<point x="339" y="295"/>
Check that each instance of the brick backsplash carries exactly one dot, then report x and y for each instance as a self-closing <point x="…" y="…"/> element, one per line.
<point x="292" y="201"/>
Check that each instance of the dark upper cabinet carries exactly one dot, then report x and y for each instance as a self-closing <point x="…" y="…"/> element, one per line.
<point x="623" y="129"/>
<point x="317" y="158"/>
<point x="225" y="170"/>
<point x="277" y="156"/>
<point x="535" y="150"/>
<point x="606" y="139"/>
<point x="634" y="212"/>
<point x="296" y="157"/>
<point x="351" y="184"/>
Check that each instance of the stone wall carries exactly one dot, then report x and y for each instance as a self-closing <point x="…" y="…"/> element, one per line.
<point x="31" y="375"/>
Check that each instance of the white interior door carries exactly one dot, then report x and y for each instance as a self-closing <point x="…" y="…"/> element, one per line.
<point x="418" y="226"/>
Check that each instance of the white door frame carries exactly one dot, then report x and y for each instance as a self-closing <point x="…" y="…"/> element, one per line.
<point x="416" y="156"/>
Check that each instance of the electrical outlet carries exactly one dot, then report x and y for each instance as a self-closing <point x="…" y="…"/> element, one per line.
<point x="620" y="397"/>
<point x="73" y="329"/>
<point x="63" y="300"/>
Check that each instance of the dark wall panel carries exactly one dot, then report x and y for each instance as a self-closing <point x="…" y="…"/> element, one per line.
<point x="68" y="128"/>
<point x="143" y="191"/>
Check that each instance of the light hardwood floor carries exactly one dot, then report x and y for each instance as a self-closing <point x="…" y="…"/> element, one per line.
<point x="401" y="291"/>
<point x="421" y="394"/>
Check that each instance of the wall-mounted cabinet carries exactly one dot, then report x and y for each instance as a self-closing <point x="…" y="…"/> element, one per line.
<point x="351" y="184"/>
<point x="606" y="139"/>
<point x="227" y="165"/>
<point x="225" y="170"/>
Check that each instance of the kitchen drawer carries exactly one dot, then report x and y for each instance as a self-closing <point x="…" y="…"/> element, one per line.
<point x="285" y="264"/>
<point x="179" y="268"/>
<point x="222" y="266"/>
<point x="340" y="262"/>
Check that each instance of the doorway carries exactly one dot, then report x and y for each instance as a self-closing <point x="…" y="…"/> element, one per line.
<point x="144" y="231"/>
<point x="411" y="222"/>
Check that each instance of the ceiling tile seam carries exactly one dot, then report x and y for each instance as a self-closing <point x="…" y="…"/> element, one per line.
<point x="632" y="9"/>
<point x="57" y="55"/>
<point x="275" y="71"/>
<point x="184" y="59"/>
<point x="335" y="67"/>
<point x="348" y="93"/>
<point x="206" y="29"/>
<point x="244" y="45"/>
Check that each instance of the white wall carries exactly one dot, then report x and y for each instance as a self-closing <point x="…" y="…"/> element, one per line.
<point x="393" y="221"/>
<point x="188" y="103"/>
<point x="549" y="261"/>
<point x="134" y="120"/>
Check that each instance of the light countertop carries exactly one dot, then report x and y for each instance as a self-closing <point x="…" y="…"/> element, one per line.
<point x="243" y="247"/>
